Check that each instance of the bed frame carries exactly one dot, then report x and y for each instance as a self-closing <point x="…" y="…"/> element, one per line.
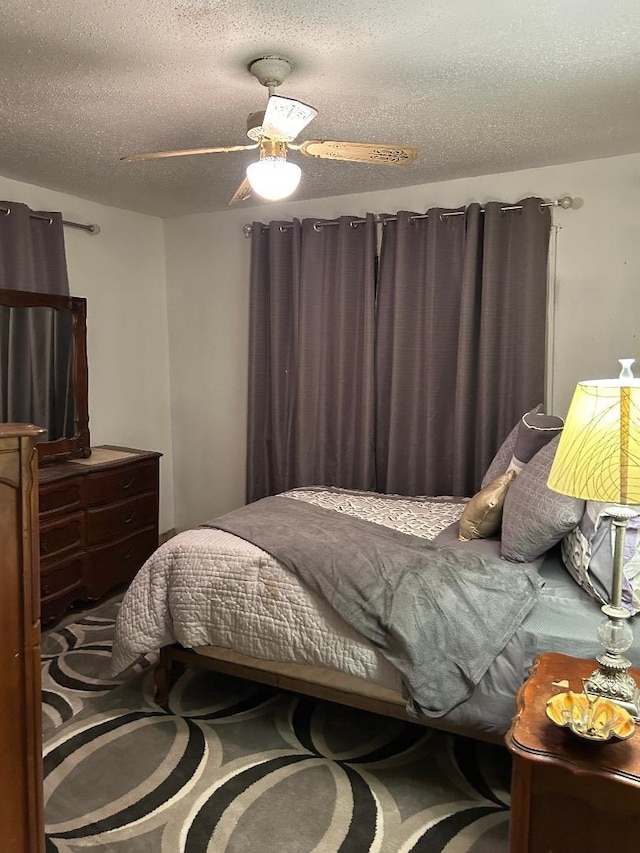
<point x="316" y="682"/>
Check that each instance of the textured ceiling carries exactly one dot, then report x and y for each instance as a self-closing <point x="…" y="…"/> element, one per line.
<point x="477" y="87"/>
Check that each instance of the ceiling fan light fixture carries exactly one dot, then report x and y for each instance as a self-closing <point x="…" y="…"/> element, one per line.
<point x="284" y="118"/>
<point x="273" y="132"/>
<point x="273" y="178"/>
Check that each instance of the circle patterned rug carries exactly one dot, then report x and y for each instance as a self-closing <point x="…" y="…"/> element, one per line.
<point x="229" y="766"/>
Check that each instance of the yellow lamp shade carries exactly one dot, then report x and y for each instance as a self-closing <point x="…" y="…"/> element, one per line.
<point x="598" y="456"/>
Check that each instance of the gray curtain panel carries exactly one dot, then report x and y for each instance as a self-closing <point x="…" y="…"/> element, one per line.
<point x="36" y="358"/>
<point x="36" y="350"/>
<point x="311" y="358"/>
<point x="409" y="391"/>
<point x="419" y="296"/>
<point x="32" y="253"/>
<point x="273" y="332"/>
<point x="460" y="351"/>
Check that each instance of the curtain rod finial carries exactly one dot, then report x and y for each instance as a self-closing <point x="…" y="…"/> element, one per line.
<point x="94" y="229"/>
<point x="565" y="202"/>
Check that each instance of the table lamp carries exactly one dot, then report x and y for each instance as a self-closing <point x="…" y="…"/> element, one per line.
<point x="598" y="459"/>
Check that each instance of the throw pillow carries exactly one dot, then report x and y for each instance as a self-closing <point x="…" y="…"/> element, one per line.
<point x="483" y="512"/>
<point x="534" y="431"/>
<point x="501" y="460"/>
<point x="535" y="517"/>
<point x="587" y="552"/>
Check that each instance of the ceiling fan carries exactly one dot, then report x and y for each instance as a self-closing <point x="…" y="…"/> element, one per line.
<point x="273" y="130"/>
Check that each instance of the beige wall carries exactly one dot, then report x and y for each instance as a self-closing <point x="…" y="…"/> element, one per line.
<point x="594" y="313"/>
<point x="122" y="275"/>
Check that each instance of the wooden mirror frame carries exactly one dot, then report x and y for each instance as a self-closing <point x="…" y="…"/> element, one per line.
<point x="79" y="445"/>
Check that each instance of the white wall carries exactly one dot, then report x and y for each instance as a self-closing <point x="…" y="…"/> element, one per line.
<point x="208" y="306"/>
<point x="122" y="275"/>
<point x="596" y="304"/>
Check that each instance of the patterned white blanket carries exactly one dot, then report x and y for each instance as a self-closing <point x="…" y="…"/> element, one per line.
<point x="208" y="587"/>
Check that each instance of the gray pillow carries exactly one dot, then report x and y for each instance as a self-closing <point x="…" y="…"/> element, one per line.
<point x="535" y="517"/>
<point x="534" y="431"/>
<point x="587" y="552"/>
<point x="503" y="457"/>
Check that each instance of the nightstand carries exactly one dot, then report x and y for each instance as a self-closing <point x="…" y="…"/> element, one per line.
<point x="568" y="794"/>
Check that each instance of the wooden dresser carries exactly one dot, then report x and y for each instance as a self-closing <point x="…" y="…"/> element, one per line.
<point x="21" y="816"/>
<point x="98" y="524"/>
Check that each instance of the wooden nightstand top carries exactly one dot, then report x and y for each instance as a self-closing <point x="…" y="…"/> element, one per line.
<point x="533" y="736"/>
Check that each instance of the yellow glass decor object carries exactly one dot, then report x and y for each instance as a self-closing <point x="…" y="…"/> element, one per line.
<point x="590" y="717"/>
<point x="598" y="456"/>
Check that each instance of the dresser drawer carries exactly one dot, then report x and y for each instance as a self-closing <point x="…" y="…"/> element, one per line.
<point x="55" y="606"/>
<point x="121" y="519"/>
<point x="62" y="496"/>
<point x="118" y="562"/>
<point x="107" y="486"/>
<point x="62" y="576"/>
<point x="60" y="585"/>
<point x="58" y="538"/>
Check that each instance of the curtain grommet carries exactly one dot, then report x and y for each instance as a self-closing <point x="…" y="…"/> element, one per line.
<point x="7" y="211"/>
<point x="50" y="221"/>
<point x="281" y="229"/>
<point x="317" y="226"/>
<point x="353" y="224"/>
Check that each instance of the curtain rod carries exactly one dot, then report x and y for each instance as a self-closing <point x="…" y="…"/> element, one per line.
<point x="91" y="229"/>
<point x="565" y="203"/>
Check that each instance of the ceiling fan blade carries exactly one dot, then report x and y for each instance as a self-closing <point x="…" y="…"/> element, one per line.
<point x="284" y="118"/>
<point x="359" y="152"/>
<point x="222" y="149"/>
<point x="242" y="193"/>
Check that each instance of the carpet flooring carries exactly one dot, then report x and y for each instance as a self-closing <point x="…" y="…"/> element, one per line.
<point x="228" y="766"/>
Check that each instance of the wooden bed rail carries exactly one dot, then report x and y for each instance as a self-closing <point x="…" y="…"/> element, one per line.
<point x="175" y="659"/>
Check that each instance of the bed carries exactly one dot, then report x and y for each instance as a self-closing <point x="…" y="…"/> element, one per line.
<point x="227" y="597"/>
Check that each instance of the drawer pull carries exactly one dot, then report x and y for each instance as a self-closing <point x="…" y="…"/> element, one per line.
<point x="45" y="589"/>
<point x="126" y="556"/>
<point x="127" y="519"/>
<point x="126" y="484"/>
<point x="43" y="547"/>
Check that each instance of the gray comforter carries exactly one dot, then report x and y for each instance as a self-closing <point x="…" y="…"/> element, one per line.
<point x="439" y="615"/>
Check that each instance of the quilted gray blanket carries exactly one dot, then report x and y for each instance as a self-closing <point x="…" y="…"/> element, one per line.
<point x="439" y="615"/>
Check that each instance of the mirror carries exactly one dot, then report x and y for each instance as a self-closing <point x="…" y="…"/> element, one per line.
<point x="43" y="369"/>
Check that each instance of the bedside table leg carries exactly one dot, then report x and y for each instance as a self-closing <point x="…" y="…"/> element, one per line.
<point x="520" y="806"/>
